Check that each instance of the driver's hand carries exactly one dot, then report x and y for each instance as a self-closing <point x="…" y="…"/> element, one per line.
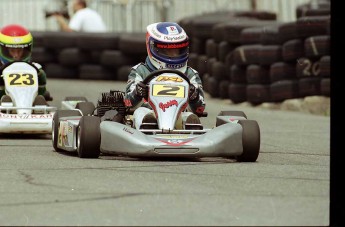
<point x="193" y="93"/>
<point x="141" y="90"/>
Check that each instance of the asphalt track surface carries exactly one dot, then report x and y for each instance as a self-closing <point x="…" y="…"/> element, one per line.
<point x="289" y="184"/>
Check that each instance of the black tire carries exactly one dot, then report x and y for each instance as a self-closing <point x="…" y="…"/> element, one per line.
<point x="237" y="113"/>
<point x="87" y="108"/>
<point x="211" y="48"/>
<point x="258" y="93"/>
<point x="56" y="123"/>
<point x="55" y="70"/>
<point x="284" y="89"/>
<point x="89" y="137"/>
<point x="133" y="44"/>
<point x="96" y="72"/>
<point x="237" y="92"/>
<point x="250" y="141"/>
<point x="247" y="54"/>
<point x="223" y="89"/>
<point x="257" y="74"/>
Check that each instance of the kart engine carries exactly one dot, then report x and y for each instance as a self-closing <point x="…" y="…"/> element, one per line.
<point x="112" y="100"/>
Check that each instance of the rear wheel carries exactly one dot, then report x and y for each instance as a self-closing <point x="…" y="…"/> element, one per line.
<point x="89" y="137"/>
<point x="56" y="124"/>
<point x="250" y="141"/>
<point x="87" y="108"/>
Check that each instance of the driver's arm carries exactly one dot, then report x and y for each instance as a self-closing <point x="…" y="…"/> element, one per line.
<point x="136" y="75"/>
<point x="198" y="105"/>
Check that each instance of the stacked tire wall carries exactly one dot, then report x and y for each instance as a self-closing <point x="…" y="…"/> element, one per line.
<point x="249" y="56"/>
<point x="240" y="55"/>
<point x="101" y="56"/>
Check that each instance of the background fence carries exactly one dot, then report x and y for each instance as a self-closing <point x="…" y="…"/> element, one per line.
<point x="135" y="15"/>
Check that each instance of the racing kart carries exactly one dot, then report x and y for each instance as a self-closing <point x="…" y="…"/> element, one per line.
<point x="22" y="110"/>
<point x="80" y="126"/>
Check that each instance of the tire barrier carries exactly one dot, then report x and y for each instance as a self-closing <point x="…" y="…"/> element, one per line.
<point x="243" y="56"/>
<point x="264" y="60"/>
<point x="96" y="56"/>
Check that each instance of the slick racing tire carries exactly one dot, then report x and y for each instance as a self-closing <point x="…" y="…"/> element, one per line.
<point x="87" y="108"/>
<point x="56" y="124"/>
<point x="250" y="141"/>
<point x="230" y="113"/>
<point x="89" y="137"/>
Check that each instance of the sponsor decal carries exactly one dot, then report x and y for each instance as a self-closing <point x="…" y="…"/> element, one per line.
<point x="172" y="30"/>
<point x="175" y="142"/>
<point x="128" y="130"/>
<point x="172" y="46"/>
<point x="170" y="103"/>
<point x="175" y="66"/>
<point x="17" y="45"/>
<point x="154" y="31"/>
<point x="174" y="38"/>
<point x="26" y="116"/>
<point x="169" y="78"/>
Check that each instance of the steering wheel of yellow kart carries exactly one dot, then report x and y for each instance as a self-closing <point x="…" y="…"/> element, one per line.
<point x="161" y="71"/>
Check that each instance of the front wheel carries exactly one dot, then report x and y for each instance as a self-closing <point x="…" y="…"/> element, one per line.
<point x="250" y="141"/>
<point x="87" y="108"/>
<point x="89" y="137"/>
<point x="56" y="124"/>
<point x="235" y="114"/>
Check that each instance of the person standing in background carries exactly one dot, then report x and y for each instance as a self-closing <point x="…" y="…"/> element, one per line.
<point x="84" y="19"/>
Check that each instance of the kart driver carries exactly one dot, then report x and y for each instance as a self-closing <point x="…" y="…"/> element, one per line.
<point x="159" y="39"/>
<point x="16" y="45"/>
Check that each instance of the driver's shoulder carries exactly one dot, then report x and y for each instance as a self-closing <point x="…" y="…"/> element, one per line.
<point x="191" y="71"/>
<point x="141" y="69"/>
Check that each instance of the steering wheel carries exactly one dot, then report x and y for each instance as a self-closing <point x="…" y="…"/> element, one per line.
<point x="161" y="71"/>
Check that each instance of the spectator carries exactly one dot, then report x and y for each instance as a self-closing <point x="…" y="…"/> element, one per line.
<point x="84" y="19"/>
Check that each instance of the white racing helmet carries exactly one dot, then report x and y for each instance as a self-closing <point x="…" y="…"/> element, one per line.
<point x="167" y="46"/>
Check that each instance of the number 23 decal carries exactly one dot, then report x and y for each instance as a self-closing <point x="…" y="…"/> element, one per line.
<point x="25" y="79"/>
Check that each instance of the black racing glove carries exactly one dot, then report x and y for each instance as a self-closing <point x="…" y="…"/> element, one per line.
<point x="193" y="93"/>
<point x="141" y="90"/>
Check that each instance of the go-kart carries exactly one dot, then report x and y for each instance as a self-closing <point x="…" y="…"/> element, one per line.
<point x="108" y="127"/>
<point x="22" y="110"/>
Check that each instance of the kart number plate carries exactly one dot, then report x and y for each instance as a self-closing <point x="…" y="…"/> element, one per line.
<point x="17" y="79"/>
<point x="168" y="91"/>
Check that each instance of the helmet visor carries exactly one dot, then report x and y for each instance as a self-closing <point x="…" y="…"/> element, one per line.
<point x="171" y="50"/>
<point x="21" y="53"/>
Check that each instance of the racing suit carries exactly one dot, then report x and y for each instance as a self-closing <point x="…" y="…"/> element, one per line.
<point x="140" y="71"/>
<point x="42" y="78"/>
